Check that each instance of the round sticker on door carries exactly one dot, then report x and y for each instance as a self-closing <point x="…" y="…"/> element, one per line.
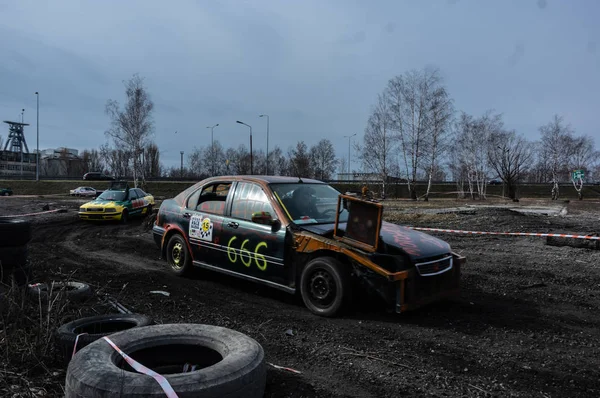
<point x="206" y="229"/>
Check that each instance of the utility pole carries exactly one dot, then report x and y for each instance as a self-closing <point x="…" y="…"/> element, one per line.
<point x="212" y="143"/>
<point x="251" y="160"/>
<point x="37" y="153"/>
<point x="349" y="138"/>
<point x="267" y="170"/>
<point x="181" y="169"/>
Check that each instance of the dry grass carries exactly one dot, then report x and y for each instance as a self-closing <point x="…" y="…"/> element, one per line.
<point x="31" y="366"/>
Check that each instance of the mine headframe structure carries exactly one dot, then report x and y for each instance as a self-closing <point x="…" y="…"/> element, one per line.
<point x="16" y="137"/>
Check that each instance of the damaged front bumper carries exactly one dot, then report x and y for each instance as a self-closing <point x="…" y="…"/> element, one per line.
<point x="412" y="288"/>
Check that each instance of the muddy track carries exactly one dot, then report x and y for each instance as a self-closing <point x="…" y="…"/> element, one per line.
<point x="527" y="323"/>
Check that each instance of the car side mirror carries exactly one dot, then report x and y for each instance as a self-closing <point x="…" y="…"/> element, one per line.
<point x="262" y="217"/>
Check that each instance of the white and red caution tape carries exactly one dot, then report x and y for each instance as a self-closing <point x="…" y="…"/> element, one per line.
<point x="31" y="214"/>
<point x="457" y="231"/>
<point x="162" y="381"/>
<point x="284" y="368"/>
<point x="75" y="345"/>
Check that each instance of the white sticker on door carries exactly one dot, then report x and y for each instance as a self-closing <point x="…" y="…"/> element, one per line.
<point x="195" y="222"/>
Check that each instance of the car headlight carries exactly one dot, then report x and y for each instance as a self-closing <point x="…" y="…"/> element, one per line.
<point x="110" y="210"/>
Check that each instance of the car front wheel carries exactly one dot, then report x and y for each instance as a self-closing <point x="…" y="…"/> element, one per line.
<point x="178" y="256"/>
<point x="324" y="286"/>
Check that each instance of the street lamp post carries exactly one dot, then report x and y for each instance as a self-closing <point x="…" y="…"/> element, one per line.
<point x="37" y="153"/>
<point x="251" y="159"/>
<point x="181" y="169"/>
<point x="349" y="138"/>
<point x="267" y="170"/>
<point x="22" y="121"/>
<point x="212" y="143"/>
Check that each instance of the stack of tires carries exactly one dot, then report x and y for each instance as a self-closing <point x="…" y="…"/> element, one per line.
<point x="14" y="266"/>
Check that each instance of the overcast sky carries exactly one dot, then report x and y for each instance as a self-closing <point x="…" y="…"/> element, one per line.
<point x="314" y="66"/>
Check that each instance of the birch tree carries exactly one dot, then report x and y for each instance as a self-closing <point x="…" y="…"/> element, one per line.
<point x="556" y="137"/>
<point x="132" y="126"/>
<point x="411" y="99"/>
<point x="440" y="115"/>
<point x="376" y="151"/>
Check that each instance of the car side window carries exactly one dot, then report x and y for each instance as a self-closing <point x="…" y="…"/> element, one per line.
<point x="250" y="198"/>
<point x="132" y="194"/>
<point x="211" y="198"/>
<point x="140" y="193"/>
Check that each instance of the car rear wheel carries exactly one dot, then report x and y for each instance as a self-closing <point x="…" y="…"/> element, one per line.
<point x="124" y="217"/>
<point x="324" y="286"/>
<point x="178" y="255"/>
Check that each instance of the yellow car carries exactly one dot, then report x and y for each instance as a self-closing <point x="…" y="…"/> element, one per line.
<point x="118" y="203"/>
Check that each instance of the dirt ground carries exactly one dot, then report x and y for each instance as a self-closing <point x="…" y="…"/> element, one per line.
<point x="527" y="323"/>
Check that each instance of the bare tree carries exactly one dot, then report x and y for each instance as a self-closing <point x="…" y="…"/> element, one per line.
<point x="92" y="160"/>
<point x="471" y="141"/>
<point x="152" y="167"/>
<point x="278" y="163"/>
<point x="556" y="138"/>
<point x="410" y="101"/>
<point x="132" y="126"/>
<point x="440" y="115"/>
<point x="116" y="160"/>
<point x="323" y="159"/>
<point x="299" y="159"/>
<point x="510" y="155"/>
<point x="378" y="144"/>
<point x="582" y="156"/>
<point x="343" y="165"/>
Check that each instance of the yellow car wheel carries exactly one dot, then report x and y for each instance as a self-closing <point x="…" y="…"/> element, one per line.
<point x="178" y="255"/>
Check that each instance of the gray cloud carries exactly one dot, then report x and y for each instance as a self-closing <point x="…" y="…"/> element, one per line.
<point x="310" y="65"/>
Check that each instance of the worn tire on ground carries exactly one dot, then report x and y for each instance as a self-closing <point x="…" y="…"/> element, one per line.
<point x="95" y="327"/>
<point x="233" y="364"/>
<point x="14" y="232"/>
<point x="73" y="291"/>
<point x="14" y="265"/>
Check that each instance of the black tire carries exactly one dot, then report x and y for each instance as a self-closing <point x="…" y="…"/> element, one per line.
<point x="149" y="212"/>
<point x="178" y="256"/>
<point x="324" y="286"/>
<point x="231" y="364"/>
<point x="73" y="291"/>
<point x="13" y="256"/>
<point x="14" y="232"/>
<point x="124" y="217"/>
<point x="95" y="327"/>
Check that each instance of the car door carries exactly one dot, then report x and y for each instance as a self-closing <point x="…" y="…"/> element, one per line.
<point x="136" y="205"/>
<point x="205" y="210"/>
<point x="251" y="248"/>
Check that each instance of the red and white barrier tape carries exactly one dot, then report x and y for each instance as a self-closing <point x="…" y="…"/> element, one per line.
<point x="164" y="383"/>
<point x="507" y="233"/>
<point x="75" y="345"/>
<point x="31" y="214"/>
<point x="284" y="368"/>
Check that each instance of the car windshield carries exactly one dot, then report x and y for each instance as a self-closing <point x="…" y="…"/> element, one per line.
<point x="112" y="195"/>
<point x="307" y="203"/>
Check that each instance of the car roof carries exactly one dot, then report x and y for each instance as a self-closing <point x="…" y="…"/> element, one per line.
<point x="261" y="179"/>
<point x="266" y="179"/>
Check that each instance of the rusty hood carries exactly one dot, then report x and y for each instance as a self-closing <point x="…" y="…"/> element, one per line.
<point x="417" y="245"/>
